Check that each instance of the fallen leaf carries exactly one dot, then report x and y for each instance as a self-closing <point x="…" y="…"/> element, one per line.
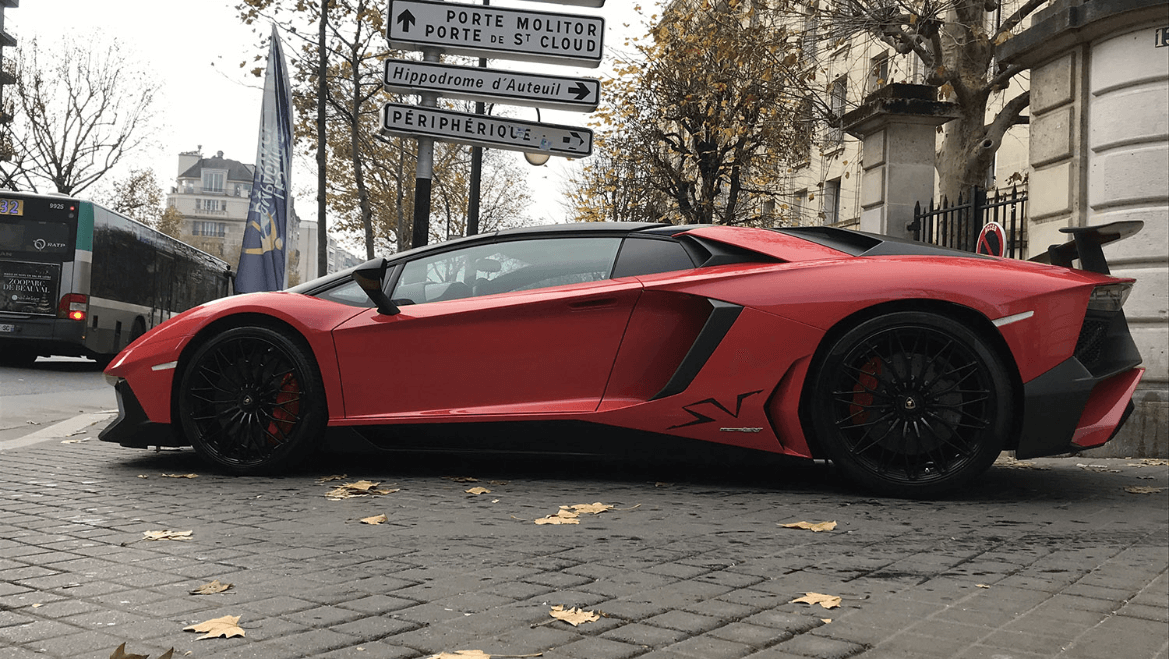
<point x="462" y="479"/>
<point x="479" y="654"/>
<point x="120" y="653"/>
<point x="37" y="605"/>
<point x="826" y="601"/>
<point x="78" y="441"/>
<point x="590" y="508"/>
<point x="225" y="627"/>
<point x="558" y="519"/>
<point x="1008" y="461"/>
<point x="982" y="585"/>
<point x="815" y="527"/>
<point x="179" y="475"/>
<point x="498" y="483"/>
<point x="211" y="588"/>
<point x="376" y="519"/>
<point x="143" y="476"/>
<point x="1142" y="489"/>
<point x="358" y="489"/>
<point x="826" y="620"/>
<point x="478" y="490"/>
<point x="574" y="616"/>
<point x="335" y="477"/>
<point x="1149" y="462"/>
<point x="166" y="535"/>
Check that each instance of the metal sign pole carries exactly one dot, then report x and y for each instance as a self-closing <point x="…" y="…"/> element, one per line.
<point x="424" y="171"/>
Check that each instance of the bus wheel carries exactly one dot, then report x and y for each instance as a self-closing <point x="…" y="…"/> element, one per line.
<point x="251" y="400"/>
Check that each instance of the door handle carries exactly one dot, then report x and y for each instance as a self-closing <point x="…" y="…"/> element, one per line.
<point x="595" y="303"/>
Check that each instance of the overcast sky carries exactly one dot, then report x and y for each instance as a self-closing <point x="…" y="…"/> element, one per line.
<point x="195" y="48"/>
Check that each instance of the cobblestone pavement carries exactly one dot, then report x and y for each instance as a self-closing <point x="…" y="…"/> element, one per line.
<point x="1053" y="558"/>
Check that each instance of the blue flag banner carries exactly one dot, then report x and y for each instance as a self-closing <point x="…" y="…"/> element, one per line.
<point x="263" y="260"/>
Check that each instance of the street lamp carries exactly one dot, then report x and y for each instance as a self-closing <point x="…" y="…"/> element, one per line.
<point x="536" y="159"/>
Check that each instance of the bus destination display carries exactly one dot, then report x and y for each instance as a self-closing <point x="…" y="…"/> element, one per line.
<point x="11" y="206"/>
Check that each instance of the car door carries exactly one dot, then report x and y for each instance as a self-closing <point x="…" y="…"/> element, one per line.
<point x="511" y="327"/>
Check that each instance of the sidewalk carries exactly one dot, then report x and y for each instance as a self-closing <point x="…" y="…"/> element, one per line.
<point x="1049" y="558"/>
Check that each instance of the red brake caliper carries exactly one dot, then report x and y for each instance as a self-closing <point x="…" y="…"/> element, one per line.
<point x="862" y="398"/>
<point x="288" y="406"/>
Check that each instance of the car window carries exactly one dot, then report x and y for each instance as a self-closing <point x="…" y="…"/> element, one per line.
<point x="647" y="256"/>
<point x="348" y="293"/>
<point x="504" y="267"/>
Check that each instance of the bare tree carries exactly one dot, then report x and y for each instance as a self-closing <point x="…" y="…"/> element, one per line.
<point x="957" y="42"/>
<point x="80" y="109"/>
<point x="138" y="196"/>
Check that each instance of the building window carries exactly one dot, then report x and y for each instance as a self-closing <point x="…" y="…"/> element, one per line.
<point x="213" y="181"/>
<point x="210" y="229"/>
<point x="879" y="72"/>
<point x="837" y="107"/>
<point x="808" y="43"/>
<point x="832" y="201"/>
<point x="798" y="205"/>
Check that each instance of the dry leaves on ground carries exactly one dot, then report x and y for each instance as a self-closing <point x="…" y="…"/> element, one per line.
<point x="815" y="527"/>
<point x="1149" y="462"/>
<point x="357" y="489"/>
<point x="462" y="479"/>
<point x="179" y="475"/>
<point x="1009" y="461"/>
<point x="167" y="535"/>
<point x="225" y="627"/>
<point x="376" y="519"/>
<point x="574" y="616"/>
<point x="211" y="588"/>
<point x="569" y="514"/>
<point x="1142" y="489"/>
<point x="478" y="490"/>
<point x="78" y="441"/>
<point x="1100" y="468"/>
<point x="479" y="654"/>
<point x="826" y="601"/>
<point x="121" y="653"/>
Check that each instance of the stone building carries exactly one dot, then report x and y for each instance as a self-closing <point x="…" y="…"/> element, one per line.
<point x="1098" y="154"/>
<point x="212" y="195"/>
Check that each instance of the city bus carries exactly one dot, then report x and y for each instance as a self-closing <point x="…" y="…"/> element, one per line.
<point x="77" y="279"/>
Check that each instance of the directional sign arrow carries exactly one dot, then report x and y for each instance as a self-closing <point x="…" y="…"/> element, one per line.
<point x="406" y="19"/>
<point x="492" y="85"/>
<point x="487" y="131"/>
<point x="456" y="28"/>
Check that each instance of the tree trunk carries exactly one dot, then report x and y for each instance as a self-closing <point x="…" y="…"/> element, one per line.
<point x="354" y="141"/>
<point x="322" y="89"/>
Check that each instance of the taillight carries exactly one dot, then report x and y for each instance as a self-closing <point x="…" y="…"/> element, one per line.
<point x="1110" y="297"/>
<point x="73" y="306"/>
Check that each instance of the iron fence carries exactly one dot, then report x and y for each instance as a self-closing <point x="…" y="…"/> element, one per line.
<point x="957" y="225"/>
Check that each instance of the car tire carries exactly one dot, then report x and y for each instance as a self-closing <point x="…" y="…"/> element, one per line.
<point x="911" y="404"/>
<point x="251" y="401"/>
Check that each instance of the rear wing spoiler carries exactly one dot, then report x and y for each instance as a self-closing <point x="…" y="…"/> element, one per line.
<point x="1086" y="245"/>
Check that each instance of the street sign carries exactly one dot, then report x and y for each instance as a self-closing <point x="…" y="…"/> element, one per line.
<point x="492" y="85"/>
<point x="992" y="239"/>
<point x="486" y="131"/>
<point x="579" y="3"/>
<point x="485" y="31"/>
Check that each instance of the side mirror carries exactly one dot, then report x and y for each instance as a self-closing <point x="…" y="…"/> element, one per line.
<point x="370" y="276"/>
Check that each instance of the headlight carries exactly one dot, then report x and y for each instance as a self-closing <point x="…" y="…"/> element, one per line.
<point x="1110" y="297"/>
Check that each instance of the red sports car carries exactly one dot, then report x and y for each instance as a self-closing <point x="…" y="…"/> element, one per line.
<point x="910" y="366"/>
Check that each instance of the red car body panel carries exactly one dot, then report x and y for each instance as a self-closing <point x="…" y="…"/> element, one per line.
<point x="310" y="317"/>
<point x="605" y="351"/>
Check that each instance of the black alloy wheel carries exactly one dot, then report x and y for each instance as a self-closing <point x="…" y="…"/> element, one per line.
<point x="251" y="400"/>
<point x="911" y="404"/>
